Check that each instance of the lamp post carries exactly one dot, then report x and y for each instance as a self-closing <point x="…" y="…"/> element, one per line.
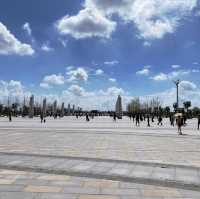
<point x="177" y="82"/>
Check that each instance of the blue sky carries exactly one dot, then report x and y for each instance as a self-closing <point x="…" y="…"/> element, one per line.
<point x="88" y="51"/>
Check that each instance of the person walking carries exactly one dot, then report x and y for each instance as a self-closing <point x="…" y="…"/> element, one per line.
<point x="10" y="116"/>
<point x="41" y="117"/>
<point x="160" y="120"/>
<point x="179" y="124"/>
<point x="87" y="117"/>
<point x="148" y="120"/>
<point x="137" y="120"/>
<point x="198" y="122"/>
<point x="114" y="117"/>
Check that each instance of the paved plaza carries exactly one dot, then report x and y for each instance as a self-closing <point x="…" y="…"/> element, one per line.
<point x="70" y="158"/>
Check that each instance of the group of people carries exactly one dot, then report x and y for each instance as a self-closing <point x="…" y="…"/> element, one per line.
<point x="179" y="120"/>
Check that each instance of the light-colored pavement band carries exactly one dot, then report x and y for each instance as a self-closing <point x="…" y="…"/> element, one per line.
<point x="169" y="176"/>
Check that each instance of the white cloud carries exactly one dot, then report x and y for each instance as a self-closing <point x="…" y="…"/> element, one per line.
<point x="69" y="68"/>
<point x="52" y="80"/>
<point x="160" y="77"/>
<point x="144" y="71"/>
<point x="63" y="42"/>
<point x="113" y="80"/>
<point x="153" y="18"/>
<point x="147" y="44"/>
<point x="99" y="72"/>
<point x="46" y="47"/>
<point x="173" y="75"/>
<point x="44" y="85"/>
<point x="27" y="28"/>
<point x="9" y="44"/>
<point x="79" y="74"/>
<point x="175" y="66"/>
<point x="188" y="86"/>
<point x="88" y="23"/>
<point x="79" y="91"/>
<point x="13" y="90"/>
<point x="112" y="91"/>
<point x="111" y="63"/>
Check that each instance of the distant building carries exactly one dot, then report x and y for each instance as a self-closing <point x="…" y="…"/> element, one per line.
<point x="31" y="107"/>
<point x="118" y="107"/>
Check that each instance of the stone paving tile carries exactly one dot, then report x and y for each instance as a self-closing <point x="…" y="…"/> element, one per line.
<point x="186" y="175"/>
<point x="31" y="182"/>
<point x="98" y="197"/>
<point x="11" y="188"/>
<point x="6" y="181"/>
<point x="54" y="177"/>
<point x="18" y="195"/>
<point x="142" y="171"/>
<point x="161" y="192"/>
<point x="99" y="169"/>
<point x="120" y="171"/>
<point x="56" y="196"/>
<point x="101" y="183"/>
<point x="164" y="173"/>
<point x="42" y="189"/>
<point x="120" y="192"/>
<point x="81" y="190"/>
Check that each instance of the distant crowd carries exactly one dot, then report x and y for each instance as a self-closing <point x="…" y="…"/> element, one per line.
<point x="178" y="119"/>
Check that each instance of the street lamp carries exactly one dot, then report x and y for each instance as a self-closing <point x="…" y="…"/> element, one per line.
<point x="177" y="82"/>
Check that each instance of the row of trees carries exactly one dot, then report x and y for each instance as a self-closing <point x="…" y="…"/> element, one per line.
<point x="154" y="106"/>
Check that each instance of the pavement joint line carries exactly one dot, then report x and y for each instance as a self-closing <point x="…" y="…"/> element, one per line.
<point x="143" y="163"/>
<point x="138" y="180"/>
<point x="101" y="130"/>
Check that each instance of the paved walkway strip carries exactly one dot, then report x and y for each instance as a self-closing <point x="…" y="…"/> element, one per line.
<point x="144" y="173"/>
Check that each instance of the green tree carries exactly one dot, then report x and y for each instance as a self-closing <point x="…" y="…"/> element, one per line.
<point x="187" y="105"/>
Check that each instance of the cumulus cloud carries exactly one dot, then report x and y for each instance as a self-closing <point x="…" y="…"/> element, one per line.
<point x="88" y="100"/>
<point x="145" y="71"/>
<point x="13" y="90"/>
<point x="99" y="72"/>
<point x="79" y="74"/>
<point x="153" y="18"/>
<point x="88" y="23"/>
<point x="112" y="91"/>
<point x="173" y="75"/>
<point x="113" y="80"/>
<point x="189" y="91"/>
<point x="50" y="80"/>
<point x="27" y="28"/>
<point x="79" y="91"/>
<point x="10" y="45"/>
<point x="46" y="47"/>
<point x="175" y="66"/>
<point x="188" y="86"/>
<point x="160" y="77"/>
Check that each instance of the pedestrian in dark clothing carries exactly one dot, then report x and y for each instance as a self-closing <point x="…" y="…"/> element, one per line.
<point x="87" y="118"/>
<point x="179" y="124"/>
<point x="172" y="120"/>
<point x="160" y="120"/>
<point x="148" y="120"/>
<point x="198" y="122"/>
<point x="137" y="120"/>
<point x="41" y="117"/>
<point x="10" y="116"/>
<point x="114" y="117"/>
